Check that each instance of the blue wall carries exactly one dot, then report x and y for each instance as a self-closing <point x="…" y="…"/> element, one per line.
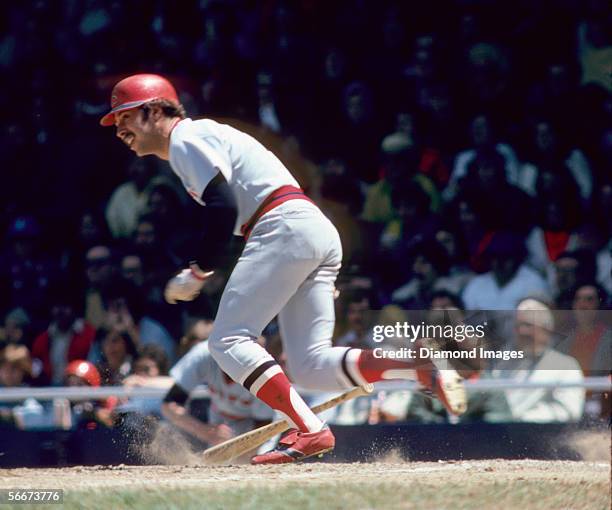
<point x="354" y="443"/>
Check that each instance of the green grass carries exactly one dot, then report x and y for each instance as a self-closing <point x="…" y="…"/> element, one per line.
<point x="470" y="494"/>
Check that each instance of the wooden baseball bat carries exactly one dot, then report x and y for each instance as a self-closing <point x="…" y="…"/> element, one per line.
<point x="232" y="448"/>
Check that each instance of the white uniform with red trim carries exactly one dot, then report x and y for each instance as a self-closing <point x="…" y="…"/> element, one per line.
<point x="288" y="266"/>
<point x="230" y="403"/>
<point x="202" y="148"/>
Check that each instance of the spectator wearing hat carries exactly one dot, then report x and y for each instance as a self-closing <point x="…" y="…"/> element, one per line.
<point x="400" y="167"/>
<point x="509" y="278"/>
<point x="68" y="336"/>
<point x="541" y="362"/>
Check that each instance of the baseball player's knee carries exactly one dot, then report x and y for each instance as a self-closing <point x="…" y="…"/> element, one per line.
<point x="236" y="353"/>
<point x="304" y="372"/>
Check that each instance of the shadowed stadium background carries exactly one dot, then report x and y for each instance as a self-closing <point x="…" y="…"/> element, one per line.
<point x="453" y="144"/>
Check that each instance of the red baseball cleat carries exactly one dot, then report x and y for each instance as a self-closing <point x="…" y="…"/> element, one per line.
<point x="447" y="385"/>
<point x="295" y="446"/>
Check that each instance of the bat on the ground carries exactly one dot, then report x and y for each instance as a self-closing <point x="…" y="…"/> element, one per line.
<point x="239" y="445"/>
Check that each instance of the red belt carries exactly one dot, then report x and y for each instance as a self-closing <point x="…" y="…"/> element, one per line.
<point x="274" y="199"/>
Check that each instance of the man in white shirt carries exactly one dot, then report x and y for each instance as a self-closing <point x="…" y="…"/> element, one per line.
<point x="287" y="268"/>
<point x="534" y="334"/>
<point x="509" y="279"/>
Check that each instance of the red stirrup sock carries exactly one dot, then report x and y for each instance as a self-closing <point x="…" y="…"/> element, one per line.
<point x="361" y="367"/>
<point x="269" y="383"/>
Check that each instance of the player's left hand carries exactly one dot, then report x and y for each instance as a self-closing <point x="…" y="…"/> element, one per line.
<point x="186" y="285"/>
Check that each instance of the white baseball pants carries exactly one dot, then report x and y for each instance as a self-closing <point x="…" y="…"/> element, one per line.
<point x="288" y="268"/>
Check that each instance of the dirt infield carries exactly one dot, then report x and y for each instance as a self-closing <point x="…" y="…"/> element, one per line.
<point x="525" y="484"/>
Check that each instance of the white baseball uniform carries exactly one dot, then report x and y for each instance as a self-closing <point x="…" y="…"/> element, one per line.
<point x="288" y="266"/>
<point x="230" y="403"/>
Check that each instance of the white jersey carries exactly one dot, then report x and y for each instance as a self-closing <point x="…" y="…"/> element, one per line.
<point x="200" y="149"/>
<point x="230" y="403"/>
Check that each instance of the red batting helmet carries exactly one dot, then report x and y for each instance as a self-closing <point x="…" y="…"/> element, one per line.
<point x="135" y="90"/>
<point x="85" y="370"/>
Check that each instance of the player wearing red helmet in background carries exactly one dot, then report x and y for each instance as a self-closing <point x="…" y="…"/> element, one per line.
<point x="80" y="372"/>
<point x="83" y="373"/>
<point x="287" y="269"/>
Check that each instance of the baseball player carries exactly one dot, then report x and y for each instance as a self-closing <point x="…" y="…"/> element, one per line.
<point x="287" y="268"/>
<point x="233" y="410"/>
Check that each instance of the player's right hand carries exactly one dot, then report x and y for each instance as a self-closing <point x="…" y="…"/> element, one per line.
<point x="219" y="434"/>
<point x="186" y="285"/>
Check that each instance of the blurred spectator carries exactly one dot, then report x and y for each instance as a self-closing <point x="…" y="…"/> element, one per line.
<point x="456" y="253"/>
<point x="445" y="300"/>
<point x="100" y="273"/>
<point x="534" y="328"/>
<point x="15" y="366"/>
<point x="118" y="352"/>
<point x="414" y="220"/>
<point x="509" y="279"/>
<point x="590" y="339"/>
<point x="430" y="160"/>
<point x="166" y="210"/>
<point x="486" y="68"/>
<point x="482" y="138"/>
<point x="267" y="109"/>
<point x="556" y="96"/>
<point x="67" y="338"/>
<point x="486" y="186"/>
<point x="549" y="155"/>
<point x="356" y="137"/>
<point x="341" y="202"/>
<point x="129" y="200"/>
<point x="151" y="361"/>
<point x="603" y="214"/>
<point x="17" y="328"/>
<point x="356" y="319"/>
<point x="196" y="331"/>
<point x="157" y="259"/>
<point x="91" y="231"/>
<point x="429" y="273"/>
<point x="571" y="268"/>
<point x="594" y="44"/>
<point x="471" y="232"/>
<point x="132" y="270"/>
<point x="556" y="229"/>
<point x="400" y="168"/>
<point x="123" y="309"/>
